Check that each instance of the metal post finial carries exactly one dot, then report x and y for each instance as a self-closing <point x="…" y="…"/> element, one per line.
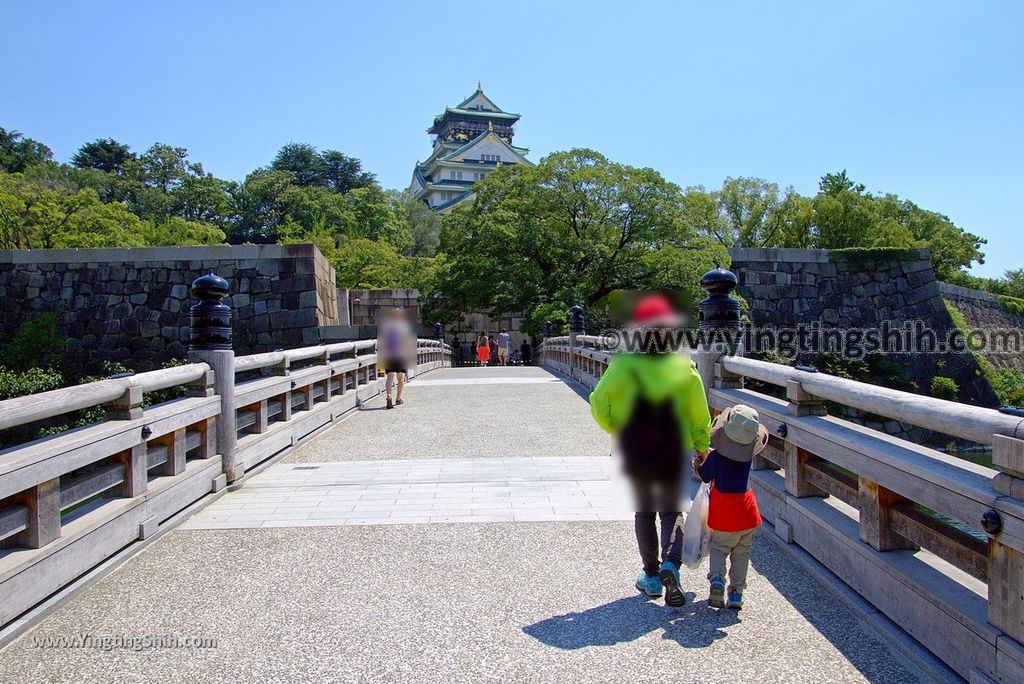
<point x="576" y="320"/>
<point x="210" y="319"/>
<point x="719" y="309"/>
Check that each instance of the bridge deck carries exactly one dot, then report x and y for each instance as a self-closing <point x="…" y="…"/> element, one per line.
<point x="470" y="535"/>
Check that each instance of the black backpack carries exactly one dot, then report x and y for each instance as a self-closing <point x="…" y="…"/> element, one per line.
<point x="651" y="441"/>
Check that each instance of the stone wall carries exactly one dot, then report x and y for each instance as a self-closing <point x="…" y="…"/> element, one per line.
<point x="364" y="304"/>
<point x="858" y="290"/>
<point x="983" y="310"/>
<point x="131" y="305"/>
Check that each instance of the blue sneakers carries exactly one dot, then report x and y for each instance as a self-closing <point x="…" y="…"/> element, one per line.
<point x="650" y="586"/>
<point x="669" y="575"/>
<point x="716" y="599"/>
<point x="735" y="600"/>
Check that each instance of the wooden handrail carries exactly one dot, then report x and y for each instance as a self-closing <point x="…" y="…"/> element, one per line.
<point x="28" y="409"/>
<point x="947" y="417"/>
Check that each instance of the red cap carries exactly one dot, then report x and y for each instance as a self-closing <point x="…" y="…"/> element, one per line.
<point x="653" y="308"/>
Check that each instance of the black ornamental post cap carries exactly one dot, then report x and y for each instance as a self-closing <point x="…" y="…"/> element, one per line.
<point x="438" y="331"/>
<point x="210" y="319"/>
<point x="718" y="281"/>
<point x="576" y="322"/>
<point x="547" y="328"/>
<point x="209" y="287"/>
<point x="719" y="309"/>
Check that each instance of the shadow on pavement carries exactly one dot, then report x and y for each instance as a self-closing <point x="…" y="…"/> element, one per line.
<point x="827" y="614"/>
<point x="693" y="626"/>
<point x="574" y="385"/>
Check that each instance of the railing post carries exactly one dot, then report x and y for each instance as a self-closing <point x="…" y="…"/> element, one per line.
<point x="204" y="387"/>
<point x="544" y="344"/>
<point x="210" y="342"/>
<point x="136" y="471"/>
<point x="43" y="503"/>
<point x="719" y="312"/>
<point x="800" y="404"/>
<point x="876" y="503"/>
<point x="175" y="444"/>
<point x="126" y="407"/>
<point x="439" y="336"/>
<point x="1005" y="562"/>
<point x="577" y="327"/>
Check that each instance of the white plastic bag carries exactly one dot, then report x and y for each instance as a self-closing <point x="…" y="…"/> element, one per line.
<point x="696" y="534"/>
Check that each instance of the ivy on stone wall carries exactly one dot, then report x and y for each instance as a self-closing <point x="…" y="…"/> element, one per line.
<point x="1012" y="305"/>
<point x="874" y="255"/>
<point x="1007" y="383"/>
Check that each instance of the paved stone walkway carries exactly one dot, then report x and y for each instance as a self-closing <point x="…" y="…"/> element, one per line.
<point x="412" y="491"/>
<point x="340" y="564"/>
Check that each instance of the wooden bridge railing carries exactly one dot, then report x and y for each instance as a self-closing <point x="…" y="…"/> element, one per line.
<point x="73" y="499"/>
<point x="933" y="541"/>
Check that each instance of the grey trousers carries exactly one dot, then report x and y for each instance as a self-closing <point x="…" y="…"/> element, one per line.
<point x="656" y="500"/>
<point x="736" y="546"/>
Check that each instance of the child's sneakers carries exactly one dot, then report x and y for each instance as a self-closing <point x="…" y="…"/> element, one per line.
<point x="649" y="585"/>
<point x="674" y="595"/>
<point x="716" y="599"/>
<point x="735" y="600"/>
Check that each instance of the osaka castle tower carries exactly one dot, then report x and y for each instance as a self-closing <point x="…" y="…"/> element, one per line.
<point x="471" y="139"/>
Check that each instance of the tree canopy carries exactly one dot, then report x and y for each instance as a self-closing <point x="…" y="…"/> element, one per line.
<point x="751" y="212"/>
<point x="571" y="229"/>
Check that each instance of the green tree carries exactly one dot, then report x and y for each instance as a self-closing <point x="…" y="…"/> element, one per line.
<point x="102" y="154"/>
<point x="18" y="153"/>
<point x="363" y="263"/>
<point x="377" y="216"/>
<point x="574" y="228"/>
<point x="203" y="198"/>
<point x="424" y="224"/>
<point x="260" y="207"/>
<point x="746" y="204"/>
<point x="177" y="231"/>
<point x="165" y="167"/>
<point x="342" y="173"/>
<point x="1014" y="283"/>
<point x="35" y="216"/>
<point x="302" y="163"/>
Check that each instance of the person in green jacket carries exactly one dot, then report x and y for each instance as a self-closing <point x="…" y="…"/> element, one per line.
<point x="655" y="404"/>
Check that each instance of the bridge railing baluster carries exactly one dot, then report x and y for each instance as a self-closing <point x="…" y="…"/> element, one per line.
<point x="904" y="498"/>
<point x="171" y="454"/>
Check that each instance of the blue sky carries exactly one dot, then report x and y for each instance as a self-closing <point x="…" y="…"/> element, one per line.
<point x="923" y="99"/>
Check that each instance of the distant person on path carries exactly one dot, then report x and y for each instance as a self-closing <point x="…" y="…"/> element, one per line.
<point x="526" y="352"/>
<point x="733" y="516"/>
<point x="655" y="404"/>
<point x="483" y="349"/>
<point x="504" y="342"/>
<point x="396" y="345"/>
<point x="493" y="347"/>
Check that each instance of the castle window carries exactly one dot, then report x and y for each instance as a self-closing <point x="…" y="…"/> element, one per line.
<point x="455" y="175"/>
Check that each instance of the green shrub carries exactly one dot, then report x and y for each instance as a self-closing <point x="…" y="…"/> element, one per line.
<point x="1008" y="385"/>
<point x="33" y="344"/>
<point x="1012" y="305"/>
<point x="945" y="388"/>
<point x="31" y="381"/>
